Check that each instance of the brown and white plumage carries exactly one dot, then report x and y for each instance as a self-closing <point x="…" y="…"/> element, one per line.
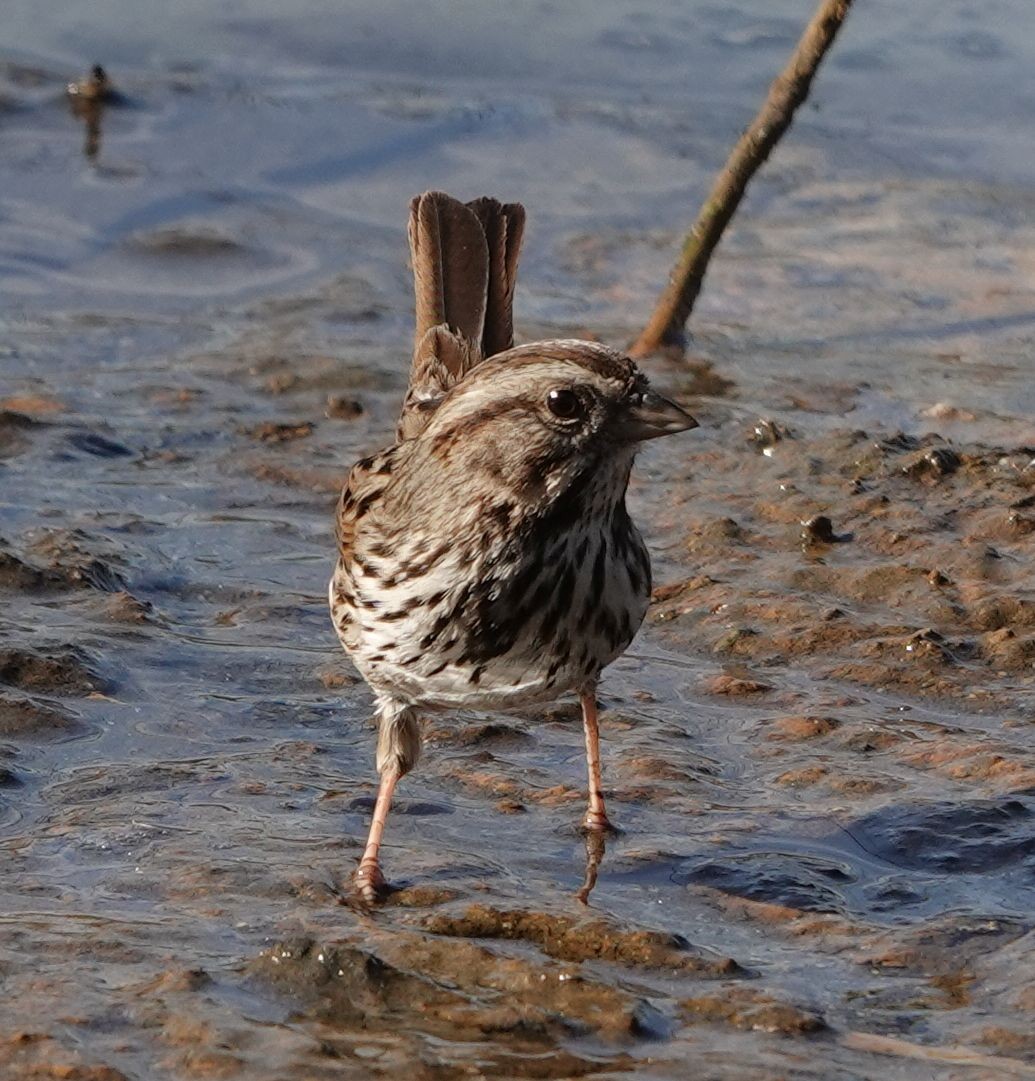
<point x="486" y="559"/>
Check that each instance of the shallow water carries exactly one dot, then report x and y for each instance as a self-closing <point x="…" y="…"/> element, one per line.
<point x="820" y="754"/>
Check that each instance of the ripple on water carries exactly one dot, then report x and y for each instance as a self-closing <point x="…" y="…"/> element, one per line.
<point x="969" y="837"/>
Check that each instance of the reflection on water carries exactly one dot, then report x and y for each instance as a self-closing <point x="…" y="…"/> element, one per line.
<point x="596" y="849"/>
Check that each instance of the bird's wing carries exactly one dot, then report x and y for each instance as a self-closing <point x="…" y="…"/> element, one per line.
<point x="366" y="482"/>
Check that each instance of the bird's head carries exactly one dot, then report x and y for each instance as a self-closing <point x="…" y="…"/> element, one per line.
<point x="539" y="415"/>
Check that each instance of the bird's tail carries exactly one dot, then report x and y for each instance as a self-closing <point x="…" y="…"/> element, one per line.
<point x="465" y="258"/>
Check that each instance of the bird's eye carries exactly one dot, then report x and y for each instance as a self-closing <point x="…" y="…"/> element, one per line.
<point x="564" y="404"/>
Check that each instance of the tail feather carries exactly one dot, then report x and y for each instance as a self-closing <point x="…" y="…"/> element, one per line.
<point x="504" y="226"/>
<point x="465" y="260"/>
<point x="450" y="266"/>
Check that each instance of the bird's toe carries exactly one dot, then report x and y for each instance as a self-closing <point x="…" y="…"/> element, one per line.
<point x="370" y="883"/>
<point x="598" y="822"/>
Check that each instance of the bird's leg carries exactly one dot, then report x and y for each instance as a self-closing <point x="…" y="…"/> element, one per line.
<point x="596" y="817"/>
<point x="369" y="879"/>
<point x="398" y="748"/>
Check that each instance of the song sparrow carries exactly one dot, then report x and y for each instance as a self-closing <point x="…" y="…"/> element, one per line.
<point x="486" y="559"/>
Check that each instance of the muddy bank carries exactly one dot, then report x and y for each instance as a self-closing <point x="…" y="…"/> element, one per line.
<point x="820" y="750"/>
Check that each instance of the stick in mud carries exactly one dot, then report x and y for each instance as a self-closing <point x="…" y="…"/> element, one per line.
<point x="788" y="90"/>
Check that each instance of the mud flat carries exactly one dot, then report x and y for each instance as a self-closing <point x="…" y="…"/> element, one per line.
<point x="821" y="750"/>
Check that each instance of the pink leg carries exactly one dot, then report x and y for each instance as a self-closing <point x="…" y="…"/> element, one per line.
<point x="596" y="817"/>
<point x="369" y="880"/>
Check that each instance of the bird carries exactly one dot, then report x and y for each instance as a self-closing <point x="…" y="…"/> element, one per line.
<point x="88" y="99"/>
<point x="486" y="558"/>
<point x="96" y="87"/>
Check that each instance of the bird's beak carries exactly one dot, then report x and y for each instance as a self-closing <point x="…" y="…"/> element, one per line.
<point x="654" y="416"/>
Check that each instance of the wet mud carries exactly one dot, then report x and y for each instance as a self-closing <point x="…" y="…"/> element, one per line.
<point x="820" y="751"/>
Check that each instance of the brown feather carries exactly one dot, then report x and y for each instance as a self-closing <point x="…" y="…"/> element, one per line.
<point x="504" y="227"/>
<point x="440" y="359"/>
<point x="366" y="481"/>
<point x="464" y="268"/>
<point x="450" y="266"/>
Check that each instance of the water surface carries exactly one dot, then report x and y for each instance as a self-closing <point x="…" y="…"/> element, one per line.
<point x="820" y="754"/>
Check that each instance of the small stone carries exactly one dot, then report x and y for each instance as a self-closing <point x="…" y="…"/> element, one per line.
<point x="281" y="382"/>
<point x="735" y="686"/>
<point x="367" y="1051"/>
<point x="341" y="408"/>
<point x="1021" y="524"/>
<point x="123" y="607"/>
<point x="928" y="643"/>
<point x="182" y="979"/>
<point x="753" y="1011"/>
<point x="729" y="641"/>
<point x="934" y="462"/>
<point x="818" y="530"/>
<point x="801" y="728"/>
<point x="272" y="432"/>
<point x="767" y="433"/>
<point x="870" y="741"/>
<point x="335" y="678"/>
<point x="715" y="535"/>
<point x="946" y="411"/>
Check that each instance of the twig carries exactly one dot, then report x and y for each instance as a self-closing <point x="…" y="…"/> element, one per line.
<point x="788" y="91"/>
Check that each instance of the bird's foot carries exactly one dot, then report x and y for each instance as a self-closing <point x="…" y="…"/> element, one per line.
<point x="370" y="882"/>
<point x="598" y="822"/>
